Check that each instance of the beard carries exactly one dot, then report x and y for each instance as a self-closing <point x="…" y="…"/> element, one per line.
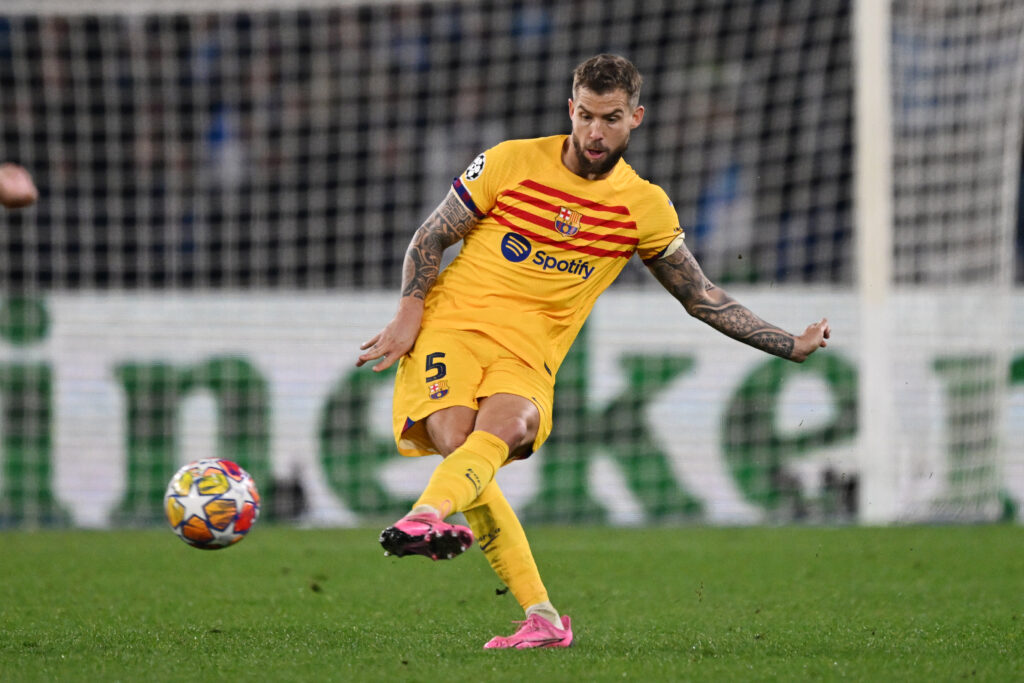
<point x="589" y="167"/>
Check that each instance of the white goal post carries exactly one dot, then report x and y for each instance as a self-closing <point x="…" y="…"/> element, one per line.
<point x="879" y="502"/>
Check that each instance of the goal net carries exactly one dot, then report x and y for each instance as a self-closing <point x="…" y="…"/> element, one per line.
<point x="957" y="85"/>
<point x="227" y="193"/>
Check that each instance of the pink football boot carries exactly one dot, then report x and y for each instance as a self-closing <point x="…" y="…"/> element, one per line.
<point x="536" y="631"/>
<point x="426" y="535"/>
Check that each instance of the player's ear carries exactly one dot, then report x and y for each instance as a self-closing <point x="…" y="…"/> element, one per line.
<point x="572" y="108"/>
<point x="636" y="117"/>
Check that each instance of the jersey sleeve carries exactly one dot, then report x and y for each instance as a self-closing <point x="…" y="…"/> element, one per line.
<point x="479" y="185"/>
<point x="658" y="224"/>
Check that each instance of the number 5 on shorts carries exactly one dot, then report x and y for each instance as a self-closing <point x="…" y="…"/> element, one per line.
<point x="434" y="363"/>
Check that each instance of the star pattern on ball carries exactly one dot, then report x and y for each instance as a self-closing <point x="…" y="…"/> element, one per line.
<point x="194" y="502"/>
<point x="225" y="537"/>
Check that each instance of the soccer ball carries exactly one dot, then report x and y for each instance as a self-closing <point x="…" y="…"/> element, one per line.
<point x="212" y="503"/>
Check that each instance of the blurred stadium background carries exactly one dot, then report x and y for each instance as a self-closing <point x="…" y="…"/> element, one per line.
<point x="226" y="196"/>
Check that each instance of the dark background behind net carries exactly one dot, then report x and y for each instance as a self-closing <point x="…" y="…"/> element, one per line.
<point x="301" y="149"/>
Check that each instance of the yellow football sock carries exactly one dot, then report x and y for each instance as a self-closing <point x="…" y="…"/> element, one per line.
<point x="501" y="537"/>
<point x="464" y="474"/>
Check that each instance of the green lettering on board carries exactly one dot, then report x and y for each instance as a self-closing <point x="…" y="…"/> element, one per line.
<point x="154" y="393"/>
<point x="621" y="430"/>
<point x="26" y="402"/>
<point x="972" y="426"/>
<point x="350" y="453"/>
<point x="755" y="451"/>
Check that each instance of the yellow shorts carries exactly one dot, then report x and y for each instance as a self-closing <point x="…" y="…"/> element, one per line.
<point x="458" y="368"/>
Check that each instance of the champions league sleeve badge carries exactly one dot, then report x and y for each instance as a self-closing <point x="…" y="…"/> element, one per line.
<point x="476" y="168"/>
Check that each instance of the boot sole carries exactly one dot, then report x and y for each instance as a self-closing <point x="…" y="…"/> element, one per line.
<point x="443" y="546"/>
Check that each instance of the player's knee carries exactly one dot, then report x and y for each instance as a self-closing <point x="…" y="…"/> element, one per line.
<point x="517" y="431"/>
<point x="448" y="440"/>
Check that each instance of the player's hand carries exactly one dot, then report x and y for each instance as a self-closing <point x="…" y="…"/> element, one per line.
<point x="16" y="187"/>
<point x="395" y="340"/>
<point x="813" y="338"/>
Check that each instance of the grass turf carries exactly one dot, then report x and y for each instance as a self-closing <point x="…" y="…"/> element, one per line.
<point x="666" y="604"/>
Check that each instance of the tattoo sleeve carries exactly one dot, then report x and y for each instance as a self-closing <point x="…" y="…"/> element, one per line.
<point x="449" y="223"/>
<point x="680" y="274"/>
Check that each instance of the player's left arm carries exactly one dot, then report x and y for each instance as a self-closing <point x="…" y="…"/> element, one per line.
<point x="681" y="275"/>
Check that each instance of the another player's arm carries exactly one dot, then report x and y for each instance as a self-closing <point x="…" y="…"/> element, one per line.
<point x="450" y="222"/>
<point x="681" y="275"/>
<point x="16" y="187"/>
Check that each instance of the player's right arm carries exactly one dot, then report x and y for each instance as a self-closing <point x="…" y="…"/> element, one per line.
<point x="679" y="273"/>
<point x="450" y="222"/>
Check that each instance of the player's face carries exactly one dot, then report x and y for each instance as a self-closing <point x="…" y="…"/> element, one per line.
<point x="600" y="131"/>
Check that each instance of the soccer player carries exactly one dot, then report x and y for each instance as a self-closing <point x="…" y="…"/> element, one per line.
<point x="546" y="225"/>
<point x="16" y="187"/>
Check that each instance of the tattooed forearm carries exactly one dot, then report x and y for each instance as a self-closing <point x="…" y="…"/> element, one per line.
<point x="680" y="274"/>
<point x="448" y="224"/>
<point x="735" y="320"/>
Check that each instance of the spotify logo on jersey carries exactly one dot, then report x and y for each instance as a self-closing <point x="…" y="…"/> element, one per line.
<point x="515" y="247"/>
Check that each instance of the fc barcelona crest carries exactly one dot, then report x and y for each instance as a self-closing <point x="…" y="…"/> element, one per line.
<point x="438" y="389"/>
<point x="568" y="221"/>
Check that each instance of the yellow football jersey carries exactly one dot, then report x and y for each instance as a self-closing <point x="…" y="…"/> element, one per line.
<point x="548" y="242"/>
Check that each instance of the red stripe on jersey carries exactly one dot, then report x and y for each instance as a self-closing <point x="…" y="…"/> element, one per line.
<point x="593" y="251"/>
<point x="587" y="220"/>
<point x="585" y="203"/>
<point x="547" y="224"/>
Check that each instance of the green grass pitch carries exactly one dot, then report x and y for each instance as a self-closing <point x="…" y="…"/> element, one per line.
<point x="664" y="604"/>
